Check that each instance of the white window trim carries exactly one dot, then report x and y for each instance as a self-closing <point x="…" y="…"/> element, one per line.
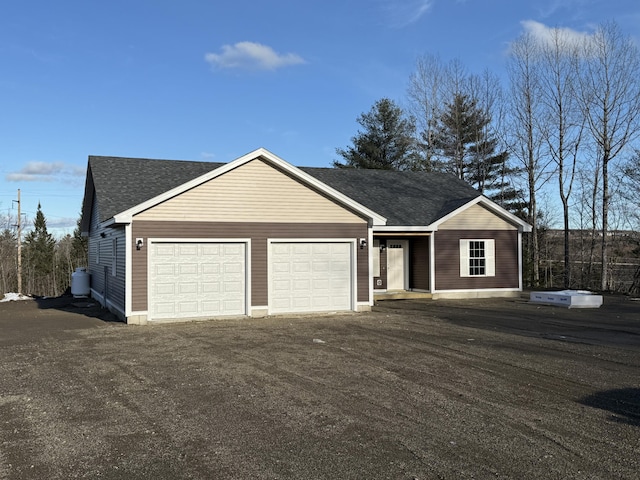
<point x="489" y="252"/>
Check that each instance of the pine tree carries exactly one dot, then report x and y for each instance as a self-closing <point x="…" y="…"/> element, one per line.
<point x="468" y="150"/>
<point x="387" y="142"/>
<point x="38" y="257"/>
<point x="8" y="261"/>
<point x="79" y="247"/>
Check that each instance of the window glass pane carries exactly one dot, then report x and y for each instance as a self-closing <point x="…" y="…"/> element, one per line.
<point x="477" y="258"/>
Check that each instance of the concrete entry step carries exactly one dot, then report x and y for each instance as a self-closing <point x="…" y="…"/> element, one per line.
<point x="401" y="295"/>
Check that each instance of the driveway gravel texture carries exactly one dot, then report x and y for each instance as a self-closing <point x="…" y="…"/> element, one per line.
<point x="446" y="389"/>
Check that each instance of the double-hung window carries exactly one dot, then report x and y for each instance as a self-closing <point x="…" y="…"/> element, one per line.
<point x="477" y="258"/>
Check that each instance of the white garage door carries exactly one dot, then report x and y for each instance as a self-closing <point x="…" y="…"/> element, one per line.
<point x="310" y="277"/>
<point x="191" y="280"/>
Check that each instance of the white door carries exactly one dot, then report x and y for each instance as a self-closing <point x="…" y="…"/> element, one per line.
<point x="191" y="280"/>
<point x="310" y="277"/>
<point x="396" y="251"/>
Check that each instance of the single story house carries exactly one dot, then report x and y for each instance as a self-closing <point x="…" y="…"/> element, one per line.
<point x="174" y="240"/>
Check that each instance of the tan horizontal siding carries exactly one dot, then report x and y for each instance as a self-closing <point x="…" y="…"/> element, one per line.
<point x="476" y="217"/>
<point x="447" y="261"/>
<point x="253" y="192"/>
<point x="258" y="232"/>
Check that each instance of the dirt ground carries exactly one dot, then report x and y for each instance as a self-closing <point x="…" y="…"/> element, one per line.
<point x="414" y="390"/>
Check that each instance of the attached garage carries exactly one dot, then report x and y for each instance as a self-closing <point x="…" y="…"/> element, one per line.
<point x="310" y="276"/>
<point x="197" y="279"/>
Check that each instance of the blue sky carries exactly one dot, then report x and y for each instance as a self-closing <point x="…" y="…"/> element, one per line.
<point x="213" y="80"/>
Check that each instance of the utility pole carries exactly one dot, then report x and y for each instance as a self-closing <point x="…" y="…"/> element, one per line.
<point x="19" y="225"/>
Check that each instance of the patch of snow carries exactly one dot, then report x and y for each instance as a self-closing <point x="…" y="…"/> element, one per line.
<point x="12" y="297"/>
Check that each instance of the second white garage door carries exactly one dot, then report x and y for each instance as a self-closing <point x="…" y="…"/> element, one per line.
<point x="195" y="280"/>
<point x="310" y="277"/>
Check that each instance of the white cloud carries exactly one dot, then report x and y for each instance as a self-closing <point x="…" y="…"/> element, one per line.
<point x="252" y="56"/>
<point x="45" y="172"/>
<point x="405" y="12"/>
<point x="544" y="34"/>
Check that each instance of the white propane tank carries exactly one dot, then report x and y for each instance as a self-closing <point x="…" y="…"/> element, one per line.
<point x="80" y="283"/>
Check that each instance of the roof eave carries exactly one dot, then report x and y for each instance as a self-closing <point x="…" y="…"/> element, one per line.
<point x="376" y="219"/>
<point x="403" y="228"/>
<point x="491" y="205"/>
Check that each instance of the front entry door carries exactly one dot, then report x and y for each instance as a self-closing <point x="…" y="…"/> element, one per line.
<point x="396" y="251"/>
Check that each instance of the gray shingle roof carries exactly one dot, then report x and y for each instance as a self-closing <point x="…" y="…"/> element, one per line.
<point x="121" y="183"/>
<point x="404" y="198"/>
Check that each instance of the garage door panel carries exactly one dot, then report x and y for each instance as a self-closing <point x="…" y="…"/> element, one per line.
<point x="188" y="249"/>
<point x="211" y="249"/>
<point x="185" y="288"/>
<point x="281" y="267"/>
<point x="161" y="270"/>
<point x="233" y="287"/>
<point x="321" y="284"/>
<point x="165" y="308"/>
<point x="301" y="267"/>
<point x="233" y="249"/>
<point x="210" y="287"/>
<point x="233" y="305"/>
<point x="165" y="288"/>
<point x="164" y="250"/>
<point x="210" y="268"/>
<point x="234" y="267"/>
<point x="187" y="269"/>
<point x="211" y="305"/>
<point x="186" y="308"/>
<point x="300" y="248"/>
<point x="321" y="267"/>
<point x="301" y="302"/>
<point x="197" y="280"/>
<point x="310" y="277"/>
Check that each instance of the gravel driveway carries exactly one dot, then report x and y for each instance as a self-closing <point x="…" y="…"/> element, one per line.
<point x="413" y="390"/>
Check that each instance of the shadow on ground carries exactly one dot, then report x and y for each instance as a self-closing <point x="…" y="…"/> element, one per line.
<point x="623" y="403"/>
<point x="82" y="306"/>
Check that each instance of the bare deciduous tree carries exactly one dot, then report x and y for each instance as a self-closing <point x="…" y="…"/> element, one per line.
<point x="425" y="103"/>
<point x="610" y="100"/>
<point x="565" y="124"/>
<point x="527" y="132"/>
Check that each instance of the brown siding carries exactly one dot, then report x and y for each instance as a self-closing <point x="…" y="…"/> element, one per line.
<point x="447" y="266"/>
<point x="419" y="268"/>
<point x="258" y="233"/>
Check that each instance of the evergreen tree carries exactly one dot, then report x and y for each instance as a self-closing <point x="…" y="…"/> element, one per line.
<point x="38" y="257"/>
<point x="387" y="142"/>
<point x="8" y="261"/>
<point x="469" y="150"/>
<point x="79" y="247"/>
<point x="456" y="134"/>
